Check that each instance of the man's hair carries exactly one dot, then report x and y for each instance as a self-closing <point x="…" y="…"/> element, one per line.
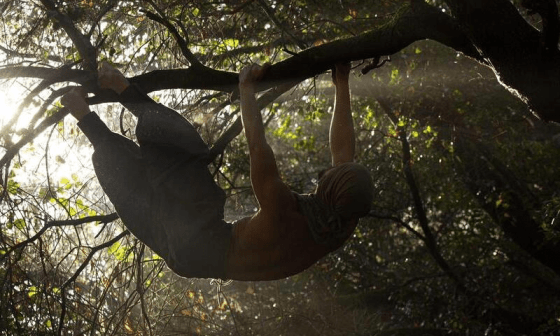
<point x="347" y="189"/>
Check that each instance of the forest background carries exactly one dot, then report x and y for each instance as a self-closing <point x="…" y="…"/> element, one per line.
<point x="455" y="105"/>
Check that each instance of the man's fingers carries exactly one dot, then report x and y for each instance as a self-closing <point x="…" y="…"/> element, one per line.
<point x="253" y="72"/>
<point x="264" y="69"/>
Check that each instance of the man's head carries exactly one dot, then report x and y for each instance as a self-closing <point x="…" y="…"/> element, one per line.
<point x="347" y="189"/>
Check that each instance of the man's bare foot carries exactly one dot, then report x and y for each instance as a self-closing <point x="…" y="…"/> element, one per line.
<point x="111" y="78"/>
<point x="75" y="101"/>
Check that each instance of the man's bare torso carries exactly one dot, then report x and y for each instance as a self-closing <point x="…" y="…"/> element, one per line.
<point x="275" y="244"/>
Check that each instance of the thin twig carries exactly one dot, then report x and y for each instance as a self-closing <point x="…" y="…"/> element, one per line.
<point x="71" y="222"/>
<point x="73" y="278"/>
<point x="183" y="44"/>
<point x="140" y="287"/>
<point x="400" y="222"/>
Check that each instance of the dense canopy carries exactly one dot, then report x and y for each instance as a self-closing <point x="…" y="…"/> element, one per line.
<point x="456" y="108"/>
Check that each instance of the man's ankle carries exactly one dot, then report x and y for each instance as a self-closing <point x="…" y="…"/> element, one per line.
<point x="79" y="115"/>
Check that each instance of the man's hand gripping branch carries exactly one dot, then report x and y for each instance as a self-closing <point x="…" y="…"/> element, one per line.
<point x="265" y="178"/>
<point x="108" y="78"/>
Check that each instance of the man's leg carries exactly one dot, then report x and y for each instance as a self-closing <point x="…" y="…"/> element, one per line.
<point x="158" y="125"/>
<point x="187" y="202"/>
<point x="120" y="171"/>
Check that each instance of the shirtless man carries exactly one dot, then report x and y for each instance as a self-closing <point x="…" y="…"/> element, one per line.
<point x="166" y="197"/>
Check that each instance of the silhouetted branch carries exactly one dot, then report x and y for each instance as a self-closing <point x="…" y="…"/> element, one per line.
<point x="237" y="126"/>
<point x="140" y="287"/>
<point x="410" y="25"/>
<point x="82" y="43"/>
<point x="73" y="278"/>
<point x="429" y="238"/>
<point x="548" y="11"/>
<point x="70" y="222"/>
<point x="12" y="151"/>
<point x="400" y="222"/>
<point x="111" y="4"/>
<point x="183" y="44"/>
<point x="280" y="26"/>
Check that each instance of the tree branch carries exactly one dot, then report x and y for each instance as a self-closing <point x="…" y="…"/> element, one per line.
<point x="51" y="120"/>
<point x="236" y="128"/>
<point x="548" y="11"/>
<point x="280" y="26"/>
<point x="400" y="222"/>
<point x="183" y="44"/>
<point x="13" y="53"/>
<point x="29" y="98"/>
<point x="73" y="278"/>
<point x="429" y="238"/>
<point x="515" y="50"/>
<point x="70" y="222"/>
<point x="410" y="24"/>
<point x="82" y="43"/>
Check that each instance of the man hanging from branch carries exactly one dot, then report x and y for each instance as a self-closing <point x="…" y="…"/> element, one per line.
<point x="167" y="198"/>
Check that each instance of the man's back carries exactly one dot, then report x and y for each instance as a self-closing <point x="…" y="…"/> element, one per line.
<point x="275" y="244"/>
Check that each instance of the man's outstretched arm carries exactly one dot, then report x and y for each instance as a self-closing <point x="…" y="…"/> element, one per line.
<point x="265" y="178"/>
<point x="341" y="137"/>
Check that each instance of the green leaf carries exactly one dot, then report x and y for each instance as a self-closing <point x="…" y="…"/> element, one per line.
<point x="20" y="223"/>
<point x="32" y="291"/>
<point x="113" y="248"/>
<point x="232" y="43"/>
<point x="428" y="130"/>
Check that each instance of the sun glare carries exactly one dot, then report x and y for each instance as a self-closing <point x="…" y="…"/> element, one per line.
<point x="10" y="97"/>
<point x="7" y="108"/>
<point x="4" y="109"/>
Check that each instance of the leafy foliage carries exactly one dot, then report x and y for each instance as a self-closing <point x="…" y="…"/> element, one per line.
<point x="431" y="125"/>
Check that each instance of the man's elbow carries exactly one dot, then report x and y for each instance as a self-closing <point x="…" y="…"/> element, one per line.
<point x="260" y="151"/>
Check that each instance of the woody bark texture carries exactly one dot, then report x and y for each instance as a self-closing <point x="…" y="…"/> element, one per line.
<point x="525" y="61"/>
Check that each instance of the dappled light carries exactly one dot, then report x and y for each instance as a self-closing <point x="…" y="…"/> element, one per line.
<point x="459" y="133"/>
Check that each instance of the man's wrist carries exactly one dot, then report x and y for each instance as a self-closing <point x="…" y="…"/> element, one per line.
<point x="247" y="87"/>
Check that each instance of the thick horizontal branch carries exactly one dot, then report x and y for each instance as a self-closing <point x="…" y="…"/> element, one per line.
<point x="410" y="24"/>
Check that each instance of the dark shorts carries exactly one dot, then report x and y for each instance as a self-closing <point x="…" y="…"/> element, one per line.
<point x="162" y="189"/>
